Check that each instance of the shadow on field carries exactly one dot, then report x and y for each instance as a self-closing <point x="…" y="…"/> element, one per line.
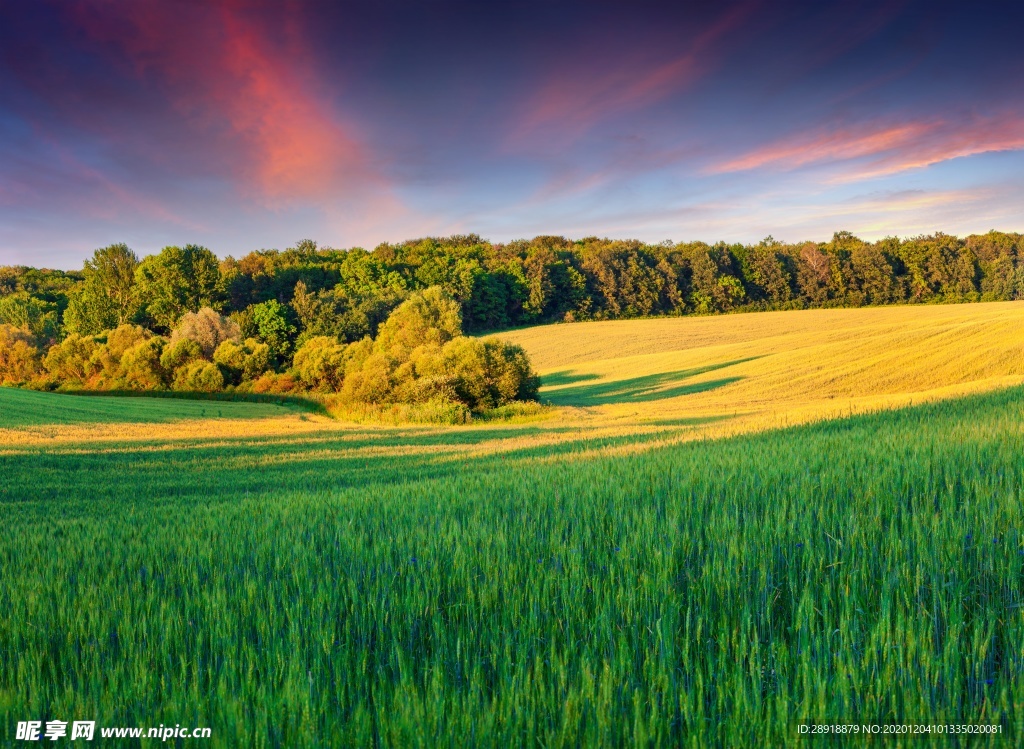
<point x="659" y="386"/>
<point x="688" y="421"/>
<point x="566" y="377"/>
<point x="91" y="479"/>
<point x="30" y="408"/>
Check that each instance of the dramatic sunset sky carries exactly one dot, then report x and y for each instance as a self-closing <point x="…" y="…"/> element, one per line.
<point x="244" y="125"/>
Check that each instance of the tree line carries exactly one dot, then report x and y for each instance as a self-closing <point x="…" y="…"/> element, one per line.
<point x="309" y="290"/>
<point x="280" y="301"/>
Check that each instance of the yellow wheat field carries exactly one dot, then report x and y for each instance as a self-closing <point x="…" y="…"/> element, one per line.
<point x="764" y="369"/>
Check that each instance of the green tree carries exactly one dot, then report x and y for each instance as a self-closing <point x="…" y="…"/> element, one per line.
<point x="384" y="370"/>
<point x="113" y="269"/>
<point x="485" y="374"/>
<point x="342" y="313"/>
<point x="428" y="317"/>
<point x="180" y="354"/>
<point x="551" y="286"/>
<point x="713" y="285"/>
<point x="765" y="270"/>
<point x="22" y="310"/>
<point x="1003" y="280"/>
<point x="275" y="327"/>
<point x="177" y="281"/>
<point x="874" y="274"/>
<point x="107" y="297"/>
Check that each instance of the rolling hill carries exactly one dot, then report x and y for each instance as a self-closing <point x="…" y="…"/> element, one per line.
<point x="766" y="369"/>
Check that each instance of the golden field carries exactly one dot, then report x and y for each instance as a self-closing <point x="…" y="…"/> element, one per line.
<point x="765" y="369"/>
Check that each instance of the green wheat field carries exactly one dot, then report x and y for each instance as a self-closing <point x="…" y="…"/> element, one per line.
<point x="714" y="592"/>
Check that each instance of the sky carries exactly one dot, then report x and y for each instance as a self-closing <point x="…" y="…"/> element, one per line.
<point x="249" y="124"/>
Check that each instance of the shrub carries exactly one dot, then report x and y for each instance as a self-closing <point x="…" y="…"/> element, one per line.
<point x="199" y="376"/>
<point x="207" y="328"/>
<point x="320" y="363"/>
<point x="485" y="374"/>
<point x="76" y="359"/>
<point x="277" y="384"/>
<point x="118" y="340"/>
<point x="510" y="373"/>
<point x="19" y="358"/>
<point x="124" y="337"/>
<point x="177" y="355"/>
<point x="243" y="362"/>
<point x="371" y="379"/>
<point x="387" y="369"/>
<point x="258" y="359"/>
<point x="431" y="412"/>
<point x="420" y="367"/>
<point x="420" y="357"/>
<point x="517" y="411"/>
<point x="140" y="367"/>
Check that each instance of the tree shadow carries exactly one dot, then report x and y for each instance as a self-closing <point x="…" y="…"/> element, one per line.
<point x="30" y="408"/>
<point x="659" y="386"/>
<point x="566" y="377"/>
<point x="692" y="421"/>
<point x="294" y="402"/>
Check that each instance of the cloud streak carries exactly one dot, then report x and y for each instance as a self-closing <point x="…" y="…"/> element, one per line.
<point x="879" y="149"/>
<point x="607" y="84"/>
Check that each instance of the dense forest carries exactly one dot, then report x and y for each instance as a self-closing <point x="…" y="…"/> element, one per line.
<point x="289" y="311"/>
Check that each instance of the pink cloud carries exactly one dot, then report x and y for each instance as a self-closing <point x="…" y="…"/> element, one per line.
<point x="879" y="149"/>
<point x="236" y="77"/>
